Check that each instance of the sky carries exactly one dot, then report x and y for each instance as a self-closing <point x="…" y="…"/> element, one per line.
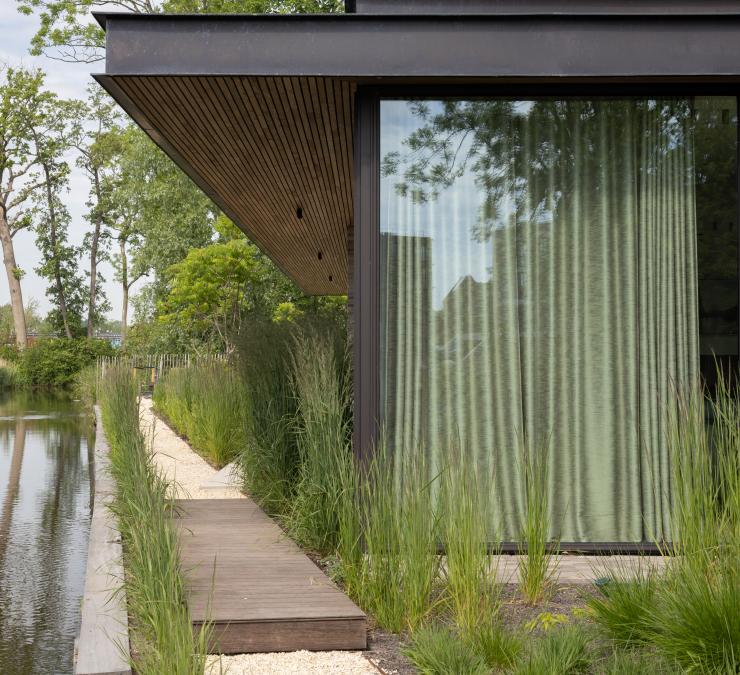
<point x="68" y="80"/>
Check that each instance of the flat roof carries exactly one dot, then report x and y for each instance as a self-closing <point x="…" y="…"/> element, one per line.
<point x="258" y="109"/>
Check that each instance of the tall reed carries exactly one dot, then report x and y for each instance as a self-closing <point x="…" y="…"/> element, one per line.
<point x="323" y="437"/>
<point x="162" y="637"/>
<point x="471" y="589"/>
<point x="538" y="566"/>
<point x="400" y="532"/>
<point x="269" y="461"/>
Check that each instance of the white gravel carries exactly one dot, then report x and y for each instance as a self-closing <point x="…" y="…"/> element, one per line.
<point x="190" y="472"/>
<point x="291" y="663"/>
<point x="180" y="464"/>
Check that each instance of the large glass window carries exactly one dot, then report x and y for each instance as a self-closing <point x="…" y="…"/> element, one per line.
<point x="550" y="269"/>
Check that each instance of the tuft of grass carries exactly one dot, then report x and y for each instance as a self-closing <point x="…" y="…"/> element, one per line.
<point x="563" y="652"/>
<point x="162" y="637"/>
<point x="623" y="610"/>
<point x="472" y="593"/>
<point x="323" y="437"/>
<point x="438" y="651"/>
<point x="696" y="618"/>
<point x="500" y="648"/>
<point x="537" y="569"/>
<point x="635" y="662"/>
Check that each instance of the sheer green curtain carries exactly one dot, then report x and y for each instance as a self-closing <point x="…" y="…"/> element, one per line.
<point x="539" y="281"/>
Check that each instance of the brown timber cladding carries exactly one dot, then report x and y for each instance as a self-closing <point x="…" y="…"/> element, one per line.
<point x="267" y="146"/>
<point x="261" y="592"/>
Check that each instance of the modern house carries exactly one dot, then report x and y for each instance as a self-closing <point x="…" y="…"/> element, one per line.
<point x="532" y="203"/>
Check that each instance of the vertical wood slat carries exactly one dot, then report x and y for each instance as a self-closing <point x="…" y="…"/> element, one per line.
<point x="266" y="146"/>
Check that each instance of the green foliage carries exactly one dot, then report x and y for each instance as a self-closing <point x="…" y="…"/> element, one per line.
<point x="212" y="288"/>
<point x="55" y="362"/>
<point x="8" y="376"/>
<point x="438" y="651"/>
<point x="162" y="638"/>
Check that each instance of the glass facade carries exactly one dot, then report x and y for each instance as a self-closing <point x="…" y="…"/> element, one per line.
<point x="550" y="269"/>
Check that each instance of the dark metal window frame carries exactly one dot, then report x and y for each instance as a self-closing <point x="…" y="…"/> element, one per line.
<point x="366" y="273"/>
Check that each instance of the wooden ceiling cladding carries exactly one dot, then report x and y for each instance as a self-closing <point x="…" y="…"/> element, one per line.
<point x="267" y="147"/>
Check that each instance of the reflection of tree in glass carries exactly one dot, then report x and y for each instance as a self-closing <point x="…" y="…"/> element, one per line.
<point x="534" y="155"/>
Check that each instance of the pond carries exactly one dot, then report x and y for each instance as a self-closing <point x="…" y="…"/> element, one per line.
<point x="45" y="499"/>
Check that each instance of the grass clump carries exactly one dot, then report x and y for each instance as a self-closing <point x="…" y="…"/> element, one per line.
<point x="471" y="591"/>
<point x="499" y="647"/>
<point x="204" y="403"/>
<point x="564" y="651"/>
<point x="269" y="459"/>
<point x="323" y="438"/>
<point x="400" y="564"/>
<point x="537" y="570"/>
<point x="162" y="637"/>
<point x="439" y="651"/>
<point x="623" y="609"/>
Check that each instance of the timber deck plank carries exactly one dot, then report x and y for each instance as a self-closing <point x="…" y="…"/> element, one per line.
<point x="259" y="589"/>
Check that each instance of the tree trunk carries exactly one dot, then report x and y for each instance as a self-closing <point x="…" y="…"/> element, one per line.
<point x="14" y="284"/>
<point x="53" y="239"/>
<point x="94" y="258"/>
<point x="125" y="286"/>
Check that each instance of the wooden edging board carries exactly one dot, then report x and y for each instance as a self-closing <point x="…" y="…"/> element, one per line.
<point x="103" y="644"/>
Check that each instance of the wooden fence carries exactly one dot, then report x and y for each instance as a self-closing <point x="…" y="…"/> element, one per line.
<point x="149" y="368"/>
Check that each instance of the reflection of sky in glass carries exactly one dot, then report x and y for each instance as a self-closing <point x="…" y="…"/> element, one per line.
<point x="449" y="219"/>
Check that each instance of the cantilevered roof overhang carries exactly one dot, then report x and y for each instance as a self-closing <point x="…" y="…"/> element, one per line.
<point x="258" y="110"/>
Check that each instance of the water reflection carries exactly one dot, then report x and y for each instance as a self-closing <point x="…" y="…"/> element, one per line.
<point x="44" y="523"/>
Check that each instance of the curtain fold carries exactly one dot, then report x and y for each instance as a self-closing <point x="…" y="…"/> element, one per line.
<point x="539" y="281"/>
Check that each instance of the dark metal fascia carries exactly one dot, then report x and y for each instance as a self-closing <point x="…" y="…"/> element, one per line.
<point x="372" y="47"/>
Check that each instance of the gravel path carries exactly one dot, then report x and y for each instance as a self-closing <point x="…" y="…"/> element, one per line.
<point x="190" y="472"/>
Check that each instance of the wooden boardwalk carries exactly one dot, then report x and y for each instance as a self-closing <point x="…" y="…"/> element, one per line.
<point x="259" y="589"/>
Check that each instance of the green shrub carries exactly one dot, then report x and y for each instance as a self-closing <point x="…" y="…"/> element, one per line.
<point x="559" y="652"/>
<point x="10" y="353"/>
<point x="9" y="376"/>
<point x="438" y="651"/>
<point x="55" y="362"/>
<point x="162" y="638"/>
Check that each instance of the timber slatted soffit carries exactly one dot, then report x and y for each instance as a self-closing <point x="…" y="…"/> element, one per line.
<point x="275" y="154"/>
